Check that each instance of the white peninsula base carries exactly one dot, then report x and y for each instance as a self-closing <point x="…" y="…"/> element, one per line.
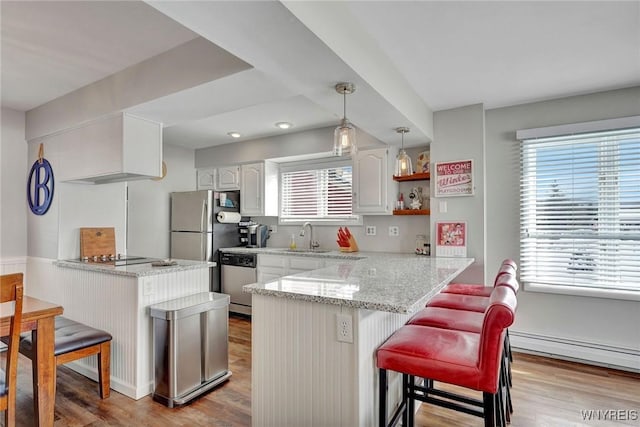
<point x="116" y="301"/>
<point x="302" y="376"/>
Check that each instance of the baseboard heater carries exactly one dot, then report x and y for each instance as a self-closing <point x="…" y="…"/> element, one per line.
<point x="627" y="359"/>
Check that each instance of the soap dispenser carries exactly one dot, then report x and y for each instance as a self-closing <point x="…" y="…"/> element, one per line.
<point x="292" y="242"/>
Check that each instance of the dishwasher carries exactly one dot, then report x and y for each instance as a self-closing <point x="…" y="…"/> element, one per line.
<point x="236" y="271"/>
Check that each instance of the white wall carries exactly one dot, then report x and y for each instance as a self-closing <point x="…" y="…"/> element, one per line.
<point x="602" y="330"/>
<point x="149" y="204"/>
<point x="459" y="135"/>
<point x="13" y="202"/>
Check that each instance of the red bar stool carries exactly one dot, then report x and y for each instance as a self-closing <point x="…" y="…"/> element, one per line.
<point x="468" y="321"/>
<point x="471" y="302"/>
<point x="508" y="266"/>
<point x="460" y="358"/>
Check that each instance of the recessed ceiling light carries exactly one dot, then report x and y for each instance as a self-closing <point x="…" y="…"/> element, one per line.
<point x="234" y="134"/>
<point x="283" y="125"/>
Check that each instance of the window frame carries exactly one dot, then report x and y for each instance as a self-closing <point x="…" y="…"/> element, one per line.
<point x="315" y="164"/>
<point x="559" y="131"/>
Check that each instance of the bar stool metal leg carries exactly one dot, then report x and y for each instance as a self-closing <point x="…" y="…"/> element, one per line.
<point x="382" y="393"/>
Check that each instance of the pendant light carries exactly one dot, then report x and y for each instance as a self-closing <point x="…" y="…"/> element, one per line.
<point x="344" y="137"/>
<point x="404" y="166"/>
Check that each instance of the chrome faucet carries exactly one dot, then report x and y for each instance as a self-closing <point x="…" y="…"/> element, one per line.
<point x="312" y="244"/>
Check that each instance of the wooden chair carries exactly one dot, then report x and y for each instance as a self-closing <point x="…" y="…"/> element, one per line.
<point x="11" y="289"/>
<point x="73" y="341"/>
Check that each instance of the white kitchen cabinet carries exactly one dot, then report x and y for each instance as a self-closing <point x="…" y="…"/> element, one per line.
<point x="228" y="178"/>
<point x="206" y="179"/>
<point x="374" y="190"/>
<point x="259" y="189"/>
<point x="271" y="267"/>
<point x="300" y="264"/>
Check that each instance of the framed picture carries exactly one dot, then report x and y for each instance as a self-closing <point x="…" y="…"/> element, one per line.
<point x="454" y="178"/>
<point x="451" y="238"/>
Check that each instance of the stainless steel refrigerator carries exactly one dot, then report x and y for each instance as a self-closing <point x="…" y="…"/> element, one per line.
<point x="196" y="234"/>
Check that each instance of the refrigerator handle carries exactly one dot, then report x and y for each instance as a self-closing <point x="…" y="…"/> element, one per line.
<point x="203" y="217"/>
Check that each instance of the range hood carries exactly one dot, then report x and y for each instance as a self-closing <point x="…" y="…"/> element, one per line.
<point x="114" y="148"/>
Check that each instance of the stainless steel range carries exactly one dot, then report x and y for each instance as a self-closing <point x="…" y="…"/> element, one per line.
<point x="115" y="260"/>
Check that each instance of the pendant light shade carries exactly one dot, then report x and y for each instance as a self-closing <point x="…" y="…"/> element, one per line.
<point x="344" y="137"/>
<point x="404" y="166"/>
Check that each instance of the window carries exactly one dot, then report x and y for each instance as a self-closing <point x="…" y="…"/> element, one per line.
<point x="320" y="192"/>
<point x="580" y="212"/>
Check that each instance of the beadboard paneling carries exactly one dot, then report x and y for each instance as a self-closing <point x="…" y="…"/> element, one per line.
<point x="119" y="305"/>
<point x="303" y="376"/>
<point x="13" y="265"/>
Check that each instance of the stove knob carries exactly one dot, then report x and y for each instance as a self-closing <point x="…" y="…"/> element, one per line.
<point x="85" y="259"/>
<point x="95" y="258"/>
<point x="103" y="257"/>
<point x="112" y="257"/>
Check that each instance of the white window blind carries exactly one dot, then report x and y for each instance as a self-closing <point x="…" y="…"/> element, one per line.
<point x="320" y="192"/>
<point x="580" y="210"/>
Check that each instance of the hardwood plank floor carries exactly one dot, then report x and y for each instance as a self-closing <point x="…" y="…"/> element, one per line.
<point x="546" y="392"/>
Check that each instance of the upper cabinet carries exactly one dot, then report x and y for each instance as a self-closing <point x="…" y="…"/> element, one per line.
<point x="374" y="190"/>
<point x="206" y="179"/>
<point x="259" y="189"/>
<point x="114" y="148"/>
<point x="228" y="178"/>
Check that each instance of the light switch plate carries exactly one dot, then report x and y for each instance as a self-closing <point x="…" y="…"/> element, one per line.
<point x="442" y="206"/>
<point x="371" y="230"/>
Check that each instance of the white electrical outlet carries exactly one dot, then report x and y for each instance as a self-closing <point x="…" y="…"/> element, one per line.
<point x="147" y="287"/>
<point x="371" y="230"/>
<point x="344" y="327"/>
<point x="273" y="228"/>
<point x="394" y="230"/>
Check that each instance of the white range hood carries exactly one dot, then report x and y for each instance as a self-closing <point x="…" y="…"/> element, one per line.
<point x="113" y="148"/>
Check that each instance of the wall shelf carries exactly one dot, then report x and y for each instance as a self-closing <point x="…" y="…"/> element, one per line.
<point x="414" y="177"/>
<point x="412" y="211"/>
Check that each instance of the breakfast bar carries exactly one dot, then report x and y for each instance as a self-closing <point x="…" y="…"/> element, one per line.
<point x="314" y="335"/>
<point x="116" y="299"/>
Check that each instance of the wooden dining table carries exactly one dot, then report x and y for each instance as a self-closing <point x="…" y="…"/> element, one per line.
<point x="38" y="316"/>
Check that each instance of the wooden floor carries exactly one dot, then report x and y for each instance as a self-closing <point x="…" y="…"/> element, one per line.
<point x="546" y="392"/>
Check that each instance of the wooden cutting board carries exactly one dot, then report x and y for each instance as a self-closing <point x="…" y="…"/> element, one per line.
<point x="97" y="241"/>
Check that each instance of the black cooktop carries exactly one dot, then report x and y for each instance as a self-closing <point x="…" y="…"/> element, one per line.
<point x="116" y="260"/>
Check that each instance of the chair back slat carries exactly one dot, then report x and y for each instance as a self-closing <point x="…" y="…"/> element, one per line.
<point x="11" y="289"/>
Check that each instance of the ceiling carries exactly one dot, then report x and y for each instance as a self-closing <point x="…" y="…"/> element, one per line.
<point x="406" y="58"/>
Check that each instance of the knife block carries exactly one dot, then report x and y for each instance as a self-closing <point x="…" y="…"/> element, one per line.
<point x="353" y="246"/>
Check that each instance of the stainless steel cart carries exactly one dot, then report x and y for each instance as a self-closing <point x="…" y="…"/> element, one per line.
<point x="190" y="346"/>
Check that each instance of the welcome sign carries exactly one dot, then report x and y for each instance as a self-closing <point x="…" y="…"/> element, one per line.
<point x="454" y="178"/>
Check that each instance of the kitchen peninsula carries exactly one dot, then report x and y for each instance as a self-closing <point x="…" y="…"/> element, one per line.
<point x="314" y="335"/>
<point x="116" y="299"/>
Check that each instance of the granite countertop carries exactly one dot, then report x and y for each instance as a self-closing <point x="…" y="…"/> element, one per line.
<point x="398" y="283"/>
<point x="297" y="252"/>
<point x="136" y="270"/>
